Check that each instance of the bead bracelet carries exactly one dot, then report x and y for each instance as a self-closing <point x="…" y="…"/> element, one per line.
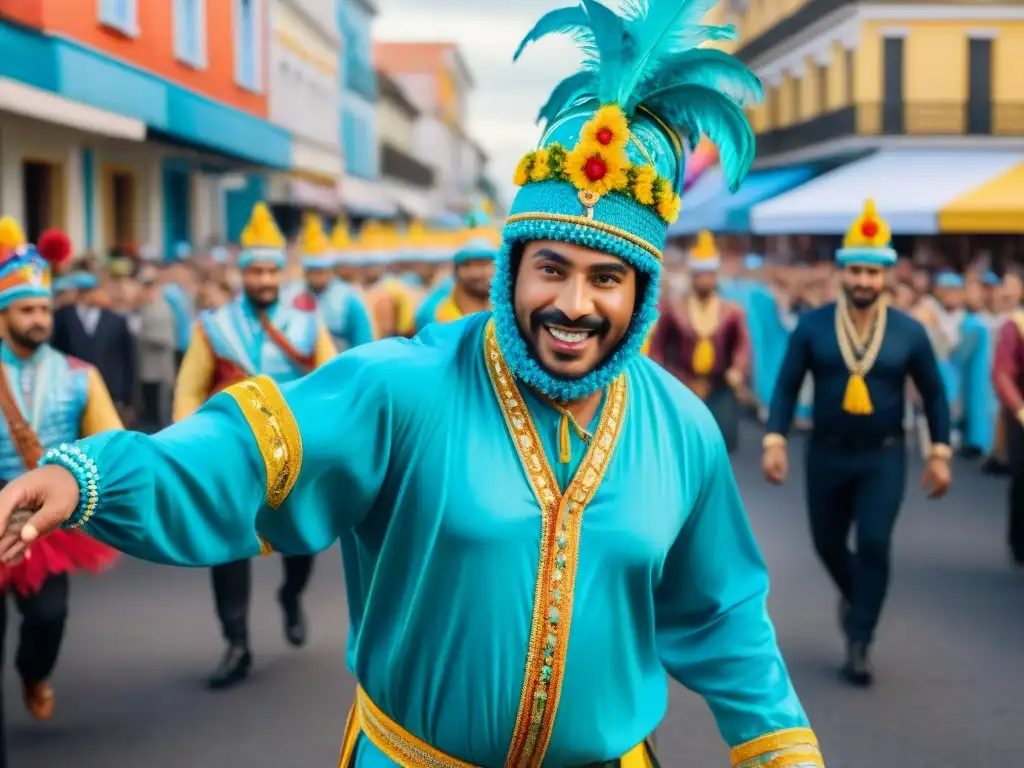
<point x="86" y="473"/>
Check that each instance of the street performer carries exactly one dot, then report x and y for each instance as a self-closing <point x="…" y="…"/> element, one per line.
<point x="254" y="334"/>
<point x="46" y="399"/>
<point x="474" y="271"/>
<point x="1008" y="382"/>
<point x="547" y="521"/>
<point x="703" y="340"/>
<point x="860" y="352"/>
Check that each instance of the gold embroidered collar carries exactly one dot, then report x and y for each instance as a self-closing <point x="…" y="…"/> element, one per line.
<point x="561" y="524"/>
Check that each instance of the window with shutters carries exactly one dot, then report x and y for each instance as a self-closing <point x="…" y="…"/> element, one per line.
<point x="122" y="15"/>
<point x="190" y="32"/>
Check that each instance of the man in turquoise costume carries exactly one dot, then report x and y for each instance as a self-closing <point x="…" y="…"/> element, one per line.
<point x="509" y="475"/>
<point x="861" y="354"/>
<point x="264" y="333"/>
<point x="338" y="303"/>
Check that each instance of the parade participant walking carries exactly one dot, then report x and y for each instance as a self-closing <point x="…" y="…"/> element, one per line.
<point x="46" y="399"/>
<point x="703" y="340"/>
<point x="339" y="304"/>
<point x="1008" y="381"/>
<point x="254" y="334"/>
<point x="860" y="352"/>
<point x="549" y="521"/>
<point x="474" y="271"/>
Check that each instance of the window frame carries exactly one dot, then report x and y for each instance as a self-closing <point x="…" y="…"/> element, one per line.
<point x="197" y="59"/>
<point x="255" y="84"/>
<point x="109" y="14"/>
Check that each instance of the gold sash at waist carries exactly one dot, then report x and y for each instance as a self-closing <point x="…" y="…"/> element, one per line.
<point x="408" y="751"/>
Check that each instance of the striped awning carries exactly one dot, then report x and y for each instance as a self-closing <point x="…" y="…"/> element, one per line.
<point x="996" y="207"/>
<point x="912" y="188"/>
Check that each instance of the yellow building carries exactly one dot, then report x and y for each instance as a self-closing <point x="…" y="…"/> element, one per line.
<point x="933" y="83"/>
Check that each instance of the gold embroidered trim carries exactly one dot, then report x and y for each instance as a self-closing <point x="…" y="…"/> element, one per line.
<point x="276" y="432"/>
<point x="395" y="742"/>
<point x="584" y="221"/>
<point x="561" y="523"/>
<point x="762" y="746"/>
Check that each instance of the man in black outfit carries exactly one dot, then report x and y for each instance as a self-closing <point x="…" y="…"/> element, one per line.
<point x="860" y="353"/>
<point x="96" y="335"/>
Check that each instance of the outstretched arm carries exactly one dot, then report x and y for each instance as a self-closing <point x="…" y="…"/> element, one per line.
<point x="713" y="630"/>
<point x="255" y="468"/>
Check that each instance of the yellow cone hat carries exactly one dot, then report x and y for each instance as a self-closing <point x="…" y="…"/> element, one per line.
<point x="868" y="241"/>
<point x="704" y="253"/>
<point x="261" y="240"/>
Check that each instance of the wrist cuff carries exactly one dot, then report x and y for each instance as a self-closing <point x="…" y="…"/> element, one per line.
<point x="75" y="461"/>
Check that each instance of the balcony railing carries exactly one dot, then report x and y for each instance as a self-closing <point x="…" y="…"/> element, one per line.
<point x="901" y="119"/>
<point x="360" y="78"/>
<point x="398" y="165"/>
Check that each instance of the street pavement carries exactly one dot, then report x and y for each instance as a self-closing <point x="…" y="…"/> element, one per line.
<point x="949" y="659"/>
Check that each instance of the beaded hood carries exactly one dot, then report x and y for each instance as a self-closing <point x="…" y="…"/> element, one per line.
<point x="609" y="168"/>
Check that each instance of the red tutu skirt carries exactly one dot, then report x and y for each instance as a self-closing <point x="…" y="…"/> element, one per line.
<point x="60" y="552"/>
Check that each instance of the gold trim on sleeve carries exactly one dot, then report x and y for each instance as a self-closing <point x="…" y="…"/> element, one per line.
<point x="276" y="432"/>
<point x="788" y="747"/>
<point x="561" y="523"/>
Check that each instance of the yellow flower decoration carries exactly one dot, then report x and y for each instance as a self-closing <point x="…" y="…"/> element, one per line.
<point x="596" y="168"/>
<point x="669" y="207"/>
<point x="608" y="127"/>
<point x="541" y="167"/>
<point x="643" y="184"/>
<point x="522" y="174"/>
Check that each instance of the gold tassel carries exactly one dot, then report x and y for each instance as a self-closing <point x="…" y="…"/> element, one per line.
<point x="857" y="399"/>
<point x="564" y="444"/>
<point x="703" y="357"/>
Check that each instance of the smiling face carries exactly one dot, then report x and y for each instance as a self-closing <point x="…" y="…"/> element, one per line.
<point x="573" y="305"/>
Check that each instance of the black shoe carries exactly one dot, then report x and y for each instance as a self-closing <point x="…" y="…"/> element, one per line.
<point x="233" y="668"/>
<point x="857" y="670"/>
<point x="294" y="621"/>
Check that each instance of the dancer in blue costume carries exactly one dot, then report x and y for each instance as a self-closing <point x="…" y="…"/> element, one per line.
<point x="474" y="273"/>
<point x="510" y="475"/>
<point x="259" y="333"/>
<point x="861" y="354"/>
<point x="339" y="304"/>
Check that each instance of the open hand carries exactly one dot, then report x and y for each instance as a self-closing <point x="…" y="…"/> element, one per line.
<point x="936" y="478"/>
<point x="34" y="505"/>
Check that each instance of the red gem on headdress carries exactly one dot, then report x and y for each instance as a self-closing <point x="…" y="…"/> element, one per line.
<point x="605" y="136"/>
<point x="595" y="168"/>
<point x="54" y="246"/>
<point x="869" y="228"/>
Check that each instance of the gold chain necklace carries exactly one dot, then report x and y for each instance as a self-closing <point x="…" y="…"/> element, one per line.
<point x="857" y="398"/>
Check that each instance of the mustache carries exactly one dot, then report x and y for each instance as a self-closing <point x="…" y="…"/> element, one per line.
<point x="587" y="323"/>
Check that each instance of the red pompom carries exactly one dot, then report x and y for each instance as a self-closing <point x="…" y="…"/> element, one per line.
<point x="54" y="246"/>
<point x="305" y="302"/>
<point x="595" y="168"/>
<point x="869" y="228"/>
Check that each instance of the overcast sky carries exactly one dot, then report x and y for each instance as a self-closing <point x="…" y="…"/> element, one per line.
<point x="506" y="98"/>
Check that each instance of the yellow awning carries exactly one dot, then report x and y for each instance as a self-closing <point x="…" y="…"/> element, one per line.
<point x="996" y="207"/>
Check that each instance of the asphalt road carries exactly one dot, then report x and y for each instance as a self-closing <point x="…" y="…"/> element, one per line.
<point x="950" y="657"/>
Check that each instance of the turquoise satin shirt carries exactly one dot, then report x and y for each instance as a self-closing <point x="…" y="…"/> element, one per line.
<point x="406" y="449"/>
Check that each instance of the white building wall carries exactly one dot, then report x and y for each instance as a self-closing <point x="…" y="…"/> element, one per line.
<point x="395" y="128"/>
<point x="304" y="94"/>
<point x="24" y="139"/>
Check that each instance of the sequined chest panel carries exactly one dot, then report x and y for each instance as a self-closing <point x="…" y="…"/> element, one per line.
<point x="236" y="336"/>
<point x="54" y="409"/>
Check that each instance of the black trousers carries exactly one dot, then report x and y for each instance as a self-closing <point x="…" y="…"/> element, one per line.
<point x="152" y="417"/>
<point x="43" y="616"/>
<point x="1015" y="528"/>
<point x="860" y="491"/>
<point x="232" y="585"/>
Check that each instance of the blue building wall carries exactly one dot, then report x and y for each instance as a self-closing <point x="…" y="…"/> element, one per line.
<point x="85" y="75"/>
<point x="359" y="91"/>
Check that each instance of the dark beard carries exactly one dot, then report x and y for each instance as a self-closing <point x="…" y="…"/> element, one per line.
<point x="861" y="302"/>
<point x="25" y="342"/>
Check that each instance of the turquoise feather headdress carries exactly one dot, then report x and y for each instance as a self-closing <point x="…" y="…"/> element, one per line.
<point x="608" y="171"/>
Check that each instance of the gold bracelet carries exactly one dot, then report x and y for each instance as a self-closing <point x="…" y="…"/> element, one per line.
<point x="773" y="440"/>
<point x="940" y="451"/>
<point x="734" y="377"/>
<point x="1020" y="415"/>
